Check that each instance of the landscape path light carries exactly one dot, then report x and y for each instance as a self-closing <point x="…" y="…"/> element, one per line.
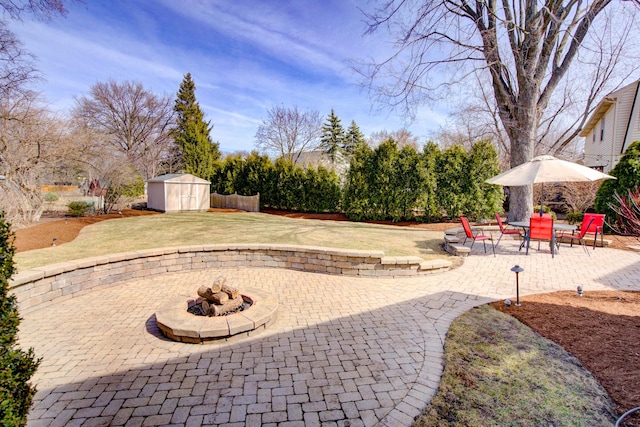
<point x="517" y="269"/>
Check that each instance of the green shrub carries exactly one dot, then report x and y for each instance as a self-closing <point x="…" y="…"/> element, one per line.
<point x="545" y="209"/>
<point x="132" y="189"/>
<point x="78" y="208"/>
<point x="574" y="217"/>
<point x="50" y="197"/>
<point x="16" y="366"/>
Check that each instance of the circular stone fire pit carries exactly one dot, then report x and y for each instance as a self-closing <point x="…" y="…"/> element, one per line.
<point x="178" y="324"/>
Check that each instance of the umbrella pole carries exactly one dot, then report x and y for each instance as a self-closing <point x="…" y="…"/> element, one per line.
<point x="541" y="197"/>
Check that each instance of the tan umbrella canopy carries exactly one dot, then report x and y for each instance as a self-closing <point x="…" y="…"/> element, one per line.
<point x="543" y="169"/>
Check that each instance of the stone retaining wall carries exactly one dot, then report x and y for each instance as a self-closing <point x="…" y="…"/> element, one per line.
<point x="39" y="286"/>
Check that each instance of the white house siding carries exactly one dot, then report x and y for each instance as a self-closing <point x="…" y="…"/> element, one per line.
<point x="604" y="154"/>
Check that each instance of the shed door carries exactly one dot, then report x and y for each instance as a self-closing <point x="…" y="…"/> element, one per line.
<point x="188" y="197"/>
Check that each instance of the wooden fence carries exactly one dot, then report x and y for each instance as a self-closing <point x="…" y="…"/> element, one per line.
<point x="233" y="201"/>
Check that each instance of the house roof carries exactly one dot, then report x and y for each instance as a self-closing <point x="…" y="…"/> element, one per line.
<point x="179" y="177"/>
<point x="598" y="113"/>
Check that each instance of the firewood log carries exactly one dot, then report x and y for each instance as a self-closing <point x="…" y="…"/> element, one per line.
<point x="232" y="292"/>
<point x="219" y="298"/>
<point x="218" y="283"/>
<point x="205" y="292"/>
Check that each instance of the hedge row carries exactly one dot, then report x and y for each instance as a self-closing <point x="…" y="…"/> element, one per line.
<point x="382" y="183"/>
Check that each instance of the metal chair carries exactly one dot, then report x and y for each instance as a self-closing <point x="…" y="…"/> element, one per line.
<point x="478" y="236"/>
<point x="541" y="228"/>
<point x="504" y="231"/>
<point x="596" y="226"/>
<point x="584" y="229"/>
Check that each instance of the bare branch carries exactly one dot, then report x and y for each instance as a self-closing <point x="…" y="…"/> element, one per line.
<point x="42" y="9"/>
<point x="131" y="119"/>
<point x="289" y="131"/>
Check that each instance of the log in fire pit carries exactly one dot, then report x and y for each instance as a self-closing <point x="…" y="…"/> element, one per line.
<point x="218" y="300"/>
<point x="219" y="312"/>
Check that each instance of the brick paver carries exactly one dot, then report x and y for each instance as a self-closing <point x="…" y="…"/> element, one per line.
<point x="343" y="350"/>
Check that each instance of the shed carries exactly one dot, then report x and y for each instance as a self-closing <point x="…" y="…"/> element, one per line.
<point x="178" y="193"/>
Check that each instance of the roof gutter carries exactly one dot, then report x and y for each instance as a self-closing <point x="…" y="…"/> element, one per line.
<point x="633" y="107"/>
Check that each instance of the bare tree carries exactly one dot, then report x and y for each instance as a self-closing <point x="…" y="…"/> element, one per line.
<point x="31" y="142"/>
<point x="287" y="132"/>
<point x="43" y="9"/>
<point x="16" y="64"/>
<point x="579" y="196"/>
<point x="130" y="120"/>
<point x="17" y="67"/>
<point x="402" y="137"/>
<point x="526" y="49"/>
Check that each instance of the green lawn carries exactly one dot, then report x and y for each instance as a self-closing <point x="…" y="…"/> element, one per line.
<point x="144" y="232"/>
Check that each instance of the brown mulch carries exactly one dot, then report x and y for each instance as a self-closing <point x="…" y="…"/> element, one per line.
<point x="601" y="329"/>
<point x="63" y="229"/>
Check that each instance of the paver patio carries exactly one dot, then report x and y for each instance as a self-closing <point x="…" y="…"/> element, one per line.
<point x="344" y="351"/>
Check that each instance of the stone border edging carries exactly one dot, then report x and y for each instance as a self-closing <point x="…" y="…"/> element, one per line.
<point x="178" y="324"/>
<point x="43" y="285"/>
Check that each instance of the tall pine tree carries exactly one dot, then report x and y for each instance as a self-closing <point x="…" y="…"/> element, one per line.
<point x="16" y="366"/>
<point x="353" y="139"/>
<point x="192" y="134"/>
<point x="332" y="136"/>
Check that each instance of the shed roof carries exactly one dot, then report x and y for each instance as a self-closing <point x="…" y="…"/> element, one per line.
<point x="179" y="177"/>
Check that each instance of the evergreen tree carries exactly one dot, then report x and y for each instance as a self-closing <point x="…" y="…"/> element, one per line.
<point x="484" y="199"/>
<point x="16" y="366"/>
<point x="432" y="157"/>
<point x="357" y="202"/>
<point x="192" y="133"/>
<point x="333" y="136"/>
<point x="453" y="181"/>
<point x="353" y="139"/>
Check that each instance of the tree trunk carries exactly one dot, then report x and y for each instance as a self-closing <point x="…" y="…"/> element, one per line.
<point x="522" y="135"/>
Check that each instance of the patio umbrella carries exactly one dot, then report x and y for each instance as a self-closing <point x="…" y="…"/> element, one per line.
<point x="543" y="169"/>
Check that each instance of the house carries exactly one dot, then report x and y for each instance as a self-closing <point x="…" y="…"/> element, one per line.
<point x="178" y="193"/>
<point x="612" y="127"/>
<point x="339" y="165"/>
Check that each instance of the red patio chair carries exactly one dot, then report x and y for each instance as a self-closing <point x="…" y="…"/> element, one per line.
<point x="596" y="227"/>
<point x="541" y="229"/>
<point x="504" y="231"/>
<point x="580" y="236"/>
<point x="478" y="236"/>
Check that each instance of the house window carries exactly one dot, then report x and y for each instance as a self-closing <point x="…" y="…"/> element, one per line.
<point x="593" y="136"/>
<point x="602" y="130"/>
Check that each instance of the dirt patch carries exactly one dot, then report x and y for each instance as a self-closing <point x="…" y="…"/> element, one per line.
<point x="63" y="229"/>
<point x="601" y="329"/>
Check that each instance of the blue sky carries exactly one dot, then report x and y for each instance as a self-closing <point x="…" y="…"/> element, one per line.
<point x="244" y="55"/>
